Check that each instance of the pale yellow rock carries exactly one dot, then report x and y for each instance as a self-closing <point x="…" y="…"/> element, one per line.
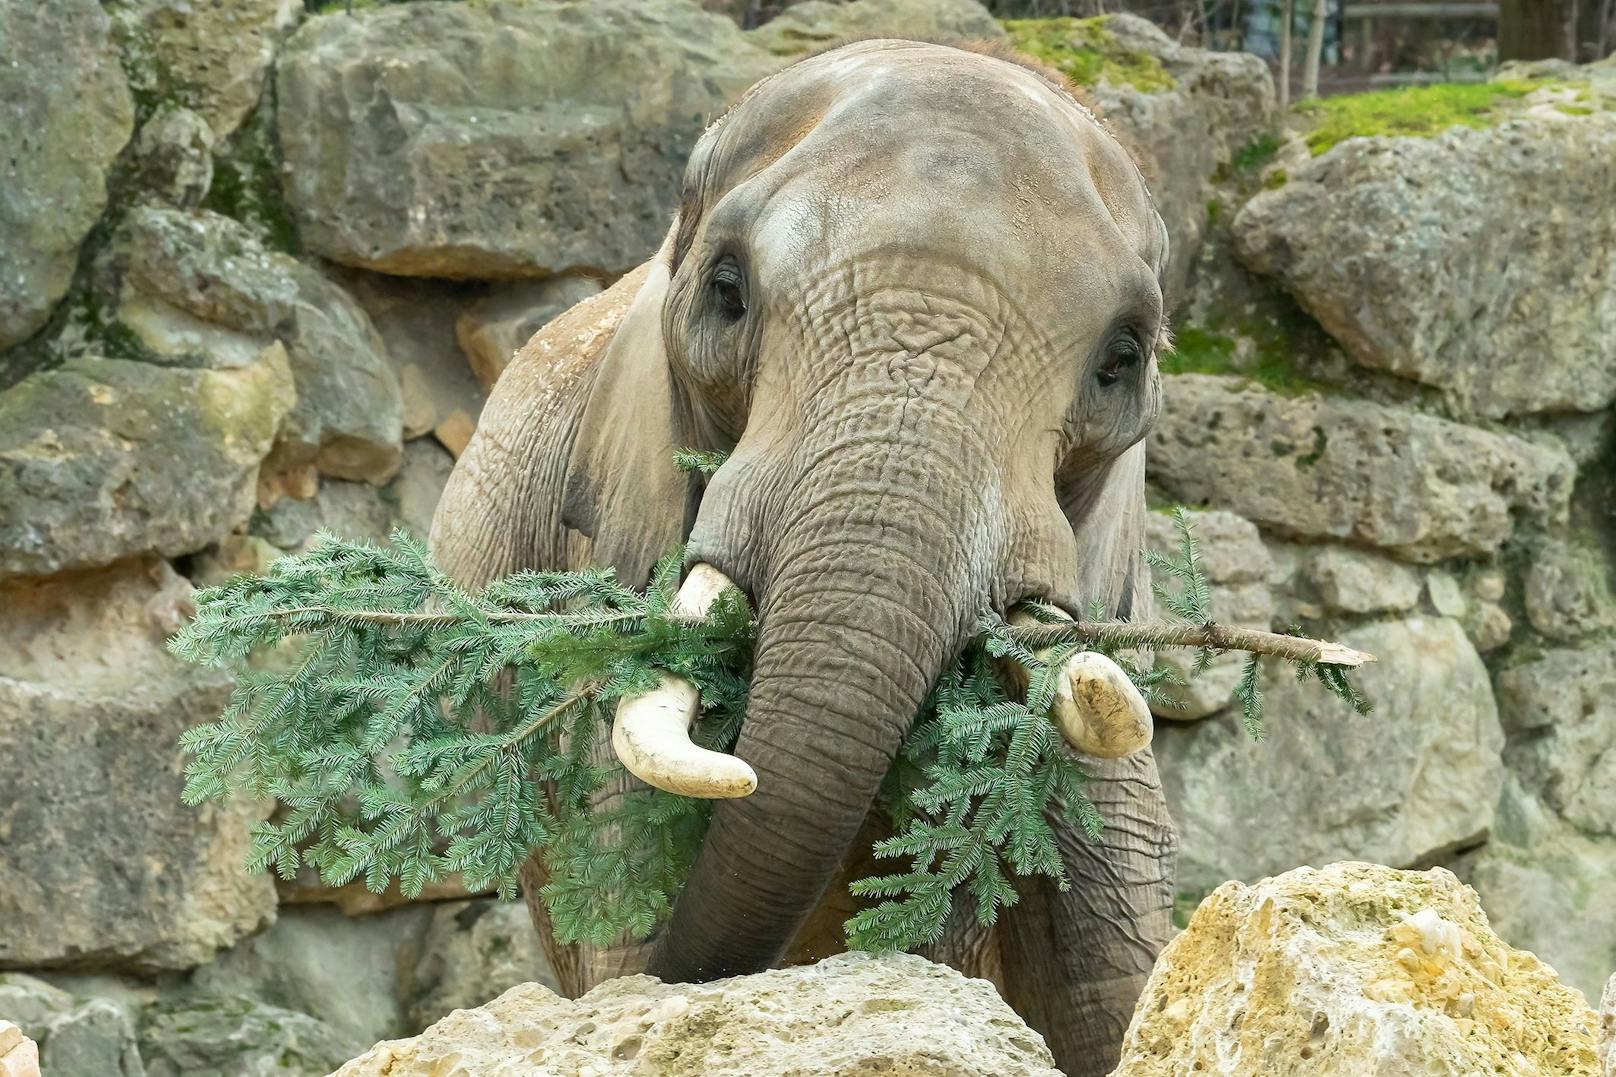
<point x="850" y="1015"/>
<point x="19" y="1056"/>
<point x="1353" y="969"/>
<point x="1607" y="1029"/>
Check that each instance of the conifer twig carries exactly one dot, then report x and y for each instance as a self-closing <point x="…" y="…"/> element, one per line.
<point x="1124" y="634"/>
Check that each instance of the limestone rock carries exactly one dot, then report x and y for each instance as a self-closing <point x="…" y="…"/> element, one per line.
<point x="1415" y="779"/>
<point x="1568" y="591"/>
<point x="818" y="24"/>
<point x="65" y="113"/>
<point x="1559" y="707"/>
<point x="417" y="320"/>
<point x="1607" y="1028"/>
<point x="213" y="58"/>
<point x="103" y="458"/>
<point x="30" y="1002"/>
<point x="235" y="1037"/>
<point x="500" y="140"/>
<point x="1357" y="581"/>
<point x="492" y="329"/>
<point x="19" y="1055"/>
<point x="175" y="155"/>
<point x="852" y="1014"/>
<point x="1485" y="269"/>
<point x="201" y="288"/>
<point x="473" y="949"/>
<point x="1237" y="565"/>
<point x="96" y="1037"/>
<point x="356" y="510"/>
<point x="1353" y="968"/>
<point x="1546" y="886"/>
<point x="1326" y="467"/>
<point x="344" y="972"/>
<point x="102" y="865"/>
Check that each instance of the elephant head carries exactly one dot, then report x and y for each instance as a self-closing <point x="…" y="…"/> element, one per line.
<point x="914" y="292"/>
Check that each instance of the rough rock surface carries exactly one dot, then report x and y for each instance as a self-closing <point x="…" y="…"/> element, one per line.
<point x="471" y="950"/>
<point x="96" y="1037"/>
<point x="235" y="1037"/>
<point x="201" y="288"/>
<point x="103" y="458"/>
<point x="1568" y="590"/>
<point x="850" y="1015"/>
<point x="174" y="156"/>
<point x="1413" y="780"/>
<point x="818" y="24"/>
<point x="1607" y="1027"/>
<point x="19" y="1055"/>
<point x="1353" y="968"/>
<point x="211" y="57"/>
<point x="1327" y="467"/>
<point x="491" y="330"/>
<point x="1559" y="708"/>
<point x="101" y="863"/>
<point x="1489" y="289"/>
<point x="65" y="112"/>
<point x="496" y="140"/>
<point x="1237" y="565"/>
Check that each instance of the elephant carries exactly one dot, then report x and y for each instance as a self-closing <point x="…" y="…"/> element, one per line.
<point x="914" y="291"/>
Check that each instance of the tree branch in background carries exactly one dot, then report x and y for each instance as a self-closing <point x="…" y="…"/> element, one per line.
<point x="1125" y="634"/>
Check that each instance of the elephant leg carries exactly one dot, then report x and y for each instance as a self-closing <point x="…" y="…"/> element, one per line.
<point x="1075" y="962"/>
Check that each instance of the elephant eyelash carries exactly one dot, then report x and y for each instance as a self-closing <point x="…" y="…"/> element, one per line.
<point x="728" y="288"/>
<point x="1123" y="351"/>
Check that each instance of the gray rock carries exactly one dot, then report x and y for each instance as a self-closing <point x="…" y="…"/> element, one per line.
<point x="1357" y="581"/>
<point x="1559" y="708"/>
<point x="175" y="157"/>
<point x="1487" y="288"/>
<point x="31" y="1003"/>
<point x="1401" y="786"/>
<point x="355" y="511"/>
<point x="1327" y="467"/>
<point x="1443" y="594"/>
<point x="500" y="140"/>
<point x="472" y="952"/>
<point x="102" y="865"/>
<point x="65" y="113"/>
<point x="201" y="288"/>
<point x="235" y="1037"/>
<point x="95" y="1039"/>
<point x="850" y="1014"/>
<point x="344" y="972"/>
<point x="1568" y="591"/>
<point x="1545" y="887"/>
<point x="1237" y="565"/>
<point x="1488" y="626"/>
<point x="492" y="329"/>
<point x="213" y="58"/>
<point x="103" y="458"/>
<point x="1607" y="1027"/>
<point x="818" y="24"/>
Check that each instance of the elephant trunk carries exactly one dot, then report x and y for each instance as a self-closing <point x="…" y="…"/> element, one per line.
<point x="870" y="592"/>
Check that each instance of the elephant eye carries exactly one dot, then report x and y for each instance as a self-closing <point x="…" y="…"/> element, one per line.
<point x="728" y="290"/>
<point x="1122" y="353"/>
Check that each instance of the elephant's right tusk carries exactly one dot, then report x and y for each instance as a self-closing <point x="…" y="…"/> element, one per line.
<point x="1097" y="708"/>
<point x="651" y="734"/>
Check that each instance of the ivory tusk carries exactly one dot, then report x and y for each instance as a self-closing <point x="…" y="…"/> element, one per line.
<point x="651" y="733"/>
<point x="1097" y="708"/>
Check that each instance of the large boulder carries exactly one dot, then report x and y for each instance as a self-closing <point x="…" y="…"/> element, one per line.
<point x="492" y="329"/>
<point x="472" y="949"/>
<point x="235" y="1037"/>
<point x="101" y="864"/>
<point x="213" y="58"/>
<point x="852" y="1014"/>
<point x="1184" y="111"/>
<point x="65" y="113"/>
<point x="1327" y="467"/>
<point x="1353" y="968"/>
<point x="202" y="289"/>
<point x="1559" y="708"/>
<point x="1486" y="287"/>
<point x="819" y="24"/>
<point x="1413" y="780"/>
<point x="500" y="140"/>
<point x="104" y="458"/>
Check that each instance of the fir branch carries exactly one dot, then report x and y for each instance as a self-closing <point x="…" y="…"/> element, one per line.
<point x="1121" y="635"/>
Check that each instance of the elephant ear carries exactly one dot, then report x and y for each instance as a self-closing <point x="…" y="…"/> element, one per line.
<point x="622" y="491"/>
<point x="571" y="464"/>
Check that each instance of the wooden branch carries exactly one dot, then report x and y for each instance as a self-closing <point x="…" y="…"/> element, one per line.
<point x="1215" y="636"/>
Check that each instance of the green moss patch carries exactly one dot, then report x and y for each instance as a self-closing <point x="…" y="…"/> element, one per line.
<point x="1087" y="53"/>
<point x="1418" y="111"/>
<point x="1266" y="360"/>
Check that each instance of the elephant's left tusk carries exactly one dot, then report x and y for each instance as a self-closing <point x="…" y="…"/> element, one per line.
<point x="651" y="734"/>
<point x="1097" y="708"/>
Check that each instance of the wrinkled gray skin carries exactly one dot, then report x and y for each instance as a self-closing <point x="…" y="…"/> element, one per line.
<point x="935" y="397"/>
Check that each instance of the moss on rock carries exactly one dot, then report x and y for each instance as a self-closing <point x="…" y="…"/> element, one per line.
<point x="1418" y="111"/>
<point x="1086" y="52"/>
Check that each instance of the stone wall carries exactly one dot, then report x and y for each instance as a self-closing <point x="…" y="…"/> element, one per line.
<point x="259" y="269"/>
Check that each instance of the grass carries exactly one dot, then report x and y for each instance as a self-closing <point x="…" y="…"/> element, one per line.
<point x="1418" y="111"/>
<point x="1087" y="53"/>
